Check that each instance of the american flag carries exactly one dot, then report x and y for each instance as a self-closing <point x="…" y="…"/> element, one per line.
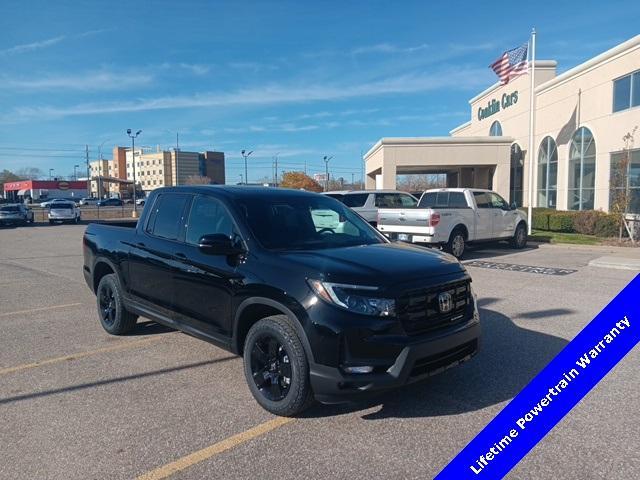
<point x="511" y="64"/>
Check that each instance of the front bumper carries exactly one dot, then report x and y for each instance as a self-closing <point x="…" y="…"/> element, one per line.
<point x="418" y="359"/>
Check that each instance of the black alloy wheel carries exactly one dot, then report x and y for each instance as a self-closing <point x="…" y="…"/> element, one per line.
<point x="271" y="368"/>
<point x="107" y="305"/>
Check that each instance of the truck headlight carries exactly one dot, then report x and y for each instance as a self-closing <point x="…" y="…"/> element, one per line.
<point x="355" y="298"/>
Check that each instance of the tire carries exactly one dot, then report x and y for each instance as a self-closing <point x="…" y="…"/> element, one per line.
<point x="457" y="243"/>
<point x="276" y="367"/>
<point x="114" y="318"/>
<point x="519" y="239"/>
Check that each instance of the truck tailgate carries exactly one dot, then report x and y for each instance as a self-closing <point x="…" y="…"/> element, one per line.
<point x="410" y="217"/>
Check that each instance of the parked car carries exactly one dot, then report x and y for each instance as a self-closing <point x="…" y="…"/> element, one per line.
<point x="316" y="300"/>
<point x="53" y="200"/>
<point x="88" y="201"/>
<point x="15" y="214"/>
<point x="455" y="217"/>
<point x="109" y="202"/>
<point x="367" y="202"/>
<point x="140" y="201"/>
<point x="64" y="212"/>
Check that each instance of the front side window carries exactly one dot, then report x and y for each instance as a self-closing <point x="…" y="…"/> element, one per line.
<point x="167" y="217"/>
<point x="306" y="223"/>
<point x="496" y="129"/>
<point x="582" y="170"/>
<point x="407" y="201"/>
<point x="498" y="202"/>
<point x="208" y="216"/>
<point x="624" y="194"/>
<point x="547" y="173"/>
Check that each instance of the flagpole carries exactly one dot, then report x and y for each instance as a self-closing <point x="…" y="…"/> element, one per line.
<point x="532" y="103"/>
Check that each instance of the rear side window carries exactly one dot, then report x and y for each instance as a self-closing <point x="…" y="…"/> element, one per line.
<point x="443" y="200"/>
<point x="167" y="217"/>
<point x="483" y="200"/>
<point x="355" y="200"/>
<point x="389" y="200"/>
<point x="457" y="200"/>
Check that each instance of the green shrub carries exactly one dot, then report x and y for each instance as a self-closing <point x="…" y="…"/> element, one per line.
<point x="561" y="222"/>
<point x="607" y="225"/>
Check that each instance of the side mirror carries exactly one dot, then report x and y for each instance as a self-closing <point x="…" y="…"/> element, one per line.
<point x="513" y="206"/>
<point x="218" y="244"/>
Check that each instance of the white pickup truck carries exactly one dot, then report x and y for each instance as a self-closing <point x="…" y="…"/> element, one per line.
<point x="454" y="217"/>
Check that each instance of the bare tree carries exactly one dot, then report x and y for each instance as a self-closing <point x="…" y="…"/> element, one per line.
<point x="197" y="180"/>
<point x="621" y="196"/>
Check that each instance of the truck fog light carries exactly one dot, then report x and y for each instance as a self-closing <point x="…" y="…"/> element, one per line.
<point x="358" y="369"/>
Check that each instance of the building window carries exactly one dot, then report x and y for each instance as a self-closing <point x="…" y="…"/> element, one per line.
<point x="582" y="170"/>
<point x="547" y="173"/>
<point x="624" y="195"/>
<point x="517" y="177"/>
<point x="496" y="129"/>
<point x="626" y="92"/>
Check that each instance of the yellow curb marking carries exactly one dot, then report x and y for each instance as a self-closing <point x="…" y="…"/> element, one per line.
<point x="42" y="309"/>
<point x="74" y="356"/>
<point x="208" y="452"/>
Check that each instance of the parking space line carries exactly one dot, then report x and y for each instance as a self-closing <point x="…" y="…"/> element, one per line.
<point x="74" y="356"/>
<point x="212" y="450"/>
<point x="41" y="309"/>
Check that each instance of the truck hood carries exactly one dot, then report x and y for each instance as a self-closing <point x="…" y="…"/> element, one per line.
<point x="380" y="264"/>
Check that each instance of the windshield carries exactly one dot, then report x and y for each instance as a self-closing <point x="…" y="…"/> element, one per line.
<point x="306" y="223"/>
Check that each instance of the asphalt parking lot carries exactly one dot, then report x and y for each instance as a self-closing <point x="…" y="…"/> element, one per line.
<point x="76" y="403"/>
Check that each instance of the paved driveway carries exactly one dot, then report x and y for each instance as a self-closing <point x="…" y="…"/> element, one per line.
<point x="77" y="403"/>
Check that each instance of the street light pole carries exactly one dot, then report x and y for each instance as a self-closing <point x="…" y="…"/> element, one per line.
<point x="75" y="172"/>
<point x="326" y="172"/>
<point x="275" y="158"/>
<point x="50" y="170"/>
<point x="133" y="159"/>
<point x="245" y="155"/>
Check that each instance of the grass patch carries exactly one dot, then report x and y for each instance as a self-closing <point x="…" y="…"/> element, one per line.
<point x="559" y="237"/>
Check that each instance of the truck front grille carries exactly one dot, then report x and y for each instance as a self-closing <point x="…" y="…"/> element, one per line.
<point x="419" y="310"/>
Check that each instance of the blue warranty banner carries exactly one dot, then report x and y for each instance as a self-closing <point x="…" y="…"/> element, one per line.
<point x="553" y="392"/>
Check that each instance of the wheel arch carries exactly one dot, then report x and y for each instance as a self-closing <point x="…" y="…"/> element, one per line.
<point x="463" y="227"/>
<point x="255" y="309"/>
<point x="101" y="267"/>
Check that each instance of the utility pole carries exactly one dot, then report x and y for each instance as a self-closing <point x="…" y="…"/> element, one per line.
<point x="246" y="155"/>
<point x="86" y="155"/>
<point x="276" y="176"/>
<point x="133" y="158"/>
<point x="177" y="150"/>
<point x="75" y="172"/>
<point x="326" y="172"/>
<point x="362" y="170"/>
<point x="352" y="175"/>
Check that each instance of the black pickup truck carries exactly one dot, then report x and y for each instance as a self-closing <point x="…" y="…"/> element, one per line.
<point x="317" y="301"/>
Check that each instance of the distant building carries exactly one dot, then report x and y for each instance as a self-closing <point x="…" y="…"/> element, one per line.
<point x="40" y="190"/>
<point x="153" y="170"/>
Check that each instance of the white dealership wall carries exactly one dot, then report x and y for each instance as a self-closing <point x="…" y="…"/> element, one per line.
<point x="581" y="96"/>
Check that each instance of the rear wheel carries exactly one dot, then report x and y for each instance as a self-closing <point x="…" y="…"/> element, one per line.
<point x="276" y="367"/>
<point x="457" y="243"/>
<point x="114" y="318"/>
<point x="519" y="239"/>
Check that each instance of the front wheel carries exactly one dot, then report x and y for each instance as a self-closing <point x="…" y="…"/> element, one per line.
<point x="114" y="318"/>
<point x="457" y="243"/>
<point x="519" y="239"/>
<point x="276" y="367"/>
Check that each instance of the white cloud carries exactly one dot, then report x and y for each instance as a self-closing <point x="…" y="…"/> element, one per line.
<point x="388" y="48"/>
<point x="91" y="81"/>
<point x="29" y="47"/>
<point x="272" y="94"/>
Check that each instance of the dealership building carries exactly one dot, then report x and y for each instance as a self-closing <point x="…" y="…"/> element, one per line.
<point x="580" y="119"/>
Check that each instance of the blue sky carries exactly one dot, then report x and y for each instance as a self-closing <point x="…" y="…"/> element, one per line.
<point x="297" y="79"/>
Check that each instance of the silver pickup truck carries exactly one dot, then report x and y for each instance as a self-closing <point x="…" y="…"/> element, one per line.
<point x="454" y="217"/>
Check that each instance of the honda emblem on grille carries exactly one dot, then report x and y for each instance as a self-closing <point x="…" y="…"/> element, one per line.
<point x="445" y="302"/>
